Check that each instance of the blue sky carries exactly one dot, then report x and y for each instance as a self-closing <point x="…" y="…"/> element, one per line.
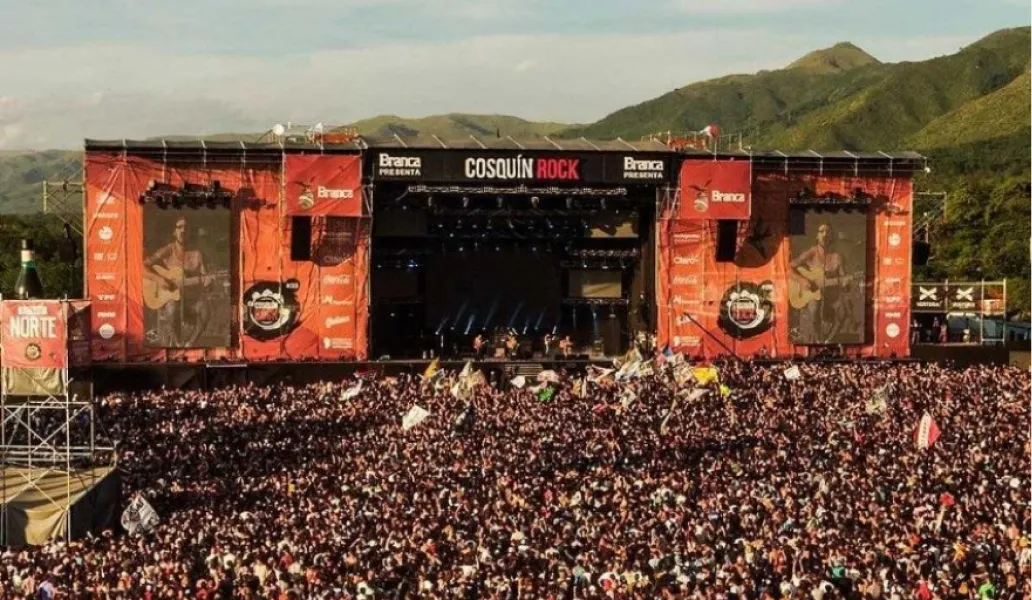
<point x="131" y="68"/>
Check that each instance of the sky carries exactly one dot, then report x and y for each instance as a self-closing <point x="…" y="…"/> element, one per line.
<point x="109" y="69"/>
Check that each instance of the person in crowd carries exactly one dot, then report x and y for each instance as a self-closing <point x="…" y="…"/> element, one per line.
<point x="766" y="489"/>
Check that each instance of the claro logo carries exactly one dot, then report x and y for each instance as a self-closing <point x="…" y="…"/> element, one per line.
<point x="689" y="260"/>
<point x="727" y="197"/>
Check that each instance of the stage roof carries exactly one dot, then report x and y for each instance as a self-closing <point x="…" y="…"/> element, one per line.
<point x="768" y="159"/>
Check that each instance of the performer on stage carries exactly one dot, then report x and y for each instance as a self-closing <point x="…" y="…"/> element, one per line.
<point x="478" y="346"/>
<point x="566" y="346"/>
<point x="549" y="339"/>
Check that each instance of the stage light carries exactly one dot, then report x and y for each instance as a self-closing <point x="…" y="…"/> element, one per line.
<point x="278" y="129"/>
<point x="535" y="201"/>
<point x="569" y="203"/>
<point x="602" y="204"/>
<point x="429" y="201"/>
<point x="465" y="202"/>
<point x="501" y="202"/>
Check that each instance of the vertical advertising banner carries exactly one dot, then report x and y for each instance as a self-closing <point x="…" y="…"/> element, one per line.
<point x="105" y="260"/>
<point x="35" y="346"/>
<point x="186" y="280"/>
<point x="715" y="189"/>
<point x="319" y="184"/>
<point x="826" y="285"/>
<point x="688" y="241"/>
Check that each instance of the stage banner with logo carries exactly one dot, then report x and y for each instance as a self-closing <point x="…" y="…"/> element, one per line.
<point x="964" y="297"/>
<point x="715" y="189"/>
<point x="994" y="298"/>
<point x="928" y="298"/>
<point x="35" y="346"/>
<point x="323" y="184"/>
<point x="711" y="308"/>
<point x="105" y="260"/>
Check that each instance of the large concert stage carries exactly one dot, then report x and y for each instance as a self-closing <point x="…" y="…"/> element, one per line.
<point x="236" y="253"/>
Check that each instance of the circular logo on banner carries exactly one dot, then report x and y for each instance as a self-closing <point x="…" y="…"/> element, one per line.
<point x="746" y="310"/>
<point x="106" y="233"/>
<point x="892" y="330"/>
<point x="894" y="239"/>
<point x="106" y="331"/>
<point x="270" y="309"/>
<point x="701" y="201"/>
<point x="33" y="352"/>
<point x="306" y="199"/>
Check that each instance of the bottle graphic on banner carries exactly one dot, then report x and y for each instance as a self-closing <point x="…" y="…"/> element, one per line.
<point x="29" y="286"/>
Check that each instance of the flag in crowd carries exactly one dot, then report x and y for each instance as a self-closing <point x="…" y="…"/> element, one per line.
<point x="927" y="432"/>
<point x="351" y="392"/>
<point x="416" y="415"/>
<point x="139" y="516"/>
<point x="793" y="373"/>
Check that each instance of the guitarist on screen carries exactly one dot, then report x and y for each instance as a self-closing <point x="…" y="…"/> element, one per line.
<point x="817" y="282"/>
<point x="181" y="274"/>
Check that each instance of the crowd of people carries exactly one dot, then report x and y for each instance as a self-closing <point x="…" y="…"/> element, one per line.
<point x="764" y="488"/>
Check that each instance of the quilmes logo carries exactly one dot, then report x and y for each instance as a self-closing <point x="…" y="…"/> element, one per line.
<point x="643" y="169"/>
<point x="399" y="166"/>
<point x="270" y="309"/>
<point x="746" y="309"/>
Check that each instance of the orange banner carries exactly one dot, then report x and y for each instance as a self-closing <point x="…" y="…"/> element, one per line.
<point x="205" y="270"/>
<point x="319" y="184"/>
<point x="105" y="262"/>
<point x="710" y="308"/>
<point x="35" y="334"/>
<point x="715" y="189"/>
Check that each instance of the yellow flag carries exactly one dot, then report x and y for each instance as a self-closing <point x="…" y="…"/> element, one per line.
<point x="706" y="375"/>
<point x="431" y="370"/>
<point x="724" y="390"/>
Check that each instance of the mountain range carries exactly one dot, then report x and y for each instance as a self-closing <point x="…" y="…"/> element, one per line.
<point x="831" y="99"/>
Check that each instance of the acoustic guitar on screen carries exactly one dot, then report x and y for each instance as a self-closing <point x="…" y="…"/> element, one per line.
<point x="807" y="284"/>
<point x="166" y="284"/>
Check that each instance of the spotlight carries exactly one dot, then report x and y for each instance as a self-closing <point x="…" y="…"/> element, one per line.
<point x="602" y="204"/>
<point x="569" y="203"/>
<point x="501" y="202"/>
<point x="430" y="202"/>
<point x="535" y="201"/>
<point x="465" y="202"/>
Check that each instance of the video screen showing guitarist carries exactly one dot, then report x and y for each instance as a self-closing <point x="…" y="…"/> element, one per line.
<point x="185" y="295"/>
<point x="825" y="287"/>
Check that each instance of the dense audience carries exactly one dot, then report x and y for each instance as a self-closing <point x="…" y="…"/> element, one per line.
<point x="781" y="489"/>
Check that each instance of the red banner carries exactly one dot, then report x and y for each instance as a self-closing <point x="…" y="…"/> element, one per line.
<point x="34" y="334"/>
<point x="710" y="308"/>
<point x="319" y="184"/>
<point x="715" y="189"/>
<point x="105" y="261"/>
<point x="180" y="278"/>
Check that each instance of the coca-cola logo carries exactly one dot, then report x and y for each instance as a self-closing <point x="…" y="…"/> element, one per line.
<point x="746" y="309"/>
<point x="271" y="309"/>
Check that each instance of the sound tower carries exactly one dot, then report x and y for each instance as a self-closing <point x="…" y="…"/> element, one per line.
<point x="301" y="238"/>
<point x="727" y="240"/>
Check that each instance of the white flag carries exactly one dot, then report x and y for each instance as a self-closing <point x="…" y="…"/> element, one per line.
<point x="793" y="374"/>
<point x="627" y="398"/>
<point x="351" y="392"/>
<point x="519" y="381"/>
<point x="877" y="402"/>
<point x="549" y="376"/>
<point x="139" y="516"/>
<point x="416" y="415"/>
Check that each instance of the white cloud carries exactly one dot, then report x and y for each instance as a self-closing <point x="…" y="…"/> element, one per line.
<point x="718" y="7"/>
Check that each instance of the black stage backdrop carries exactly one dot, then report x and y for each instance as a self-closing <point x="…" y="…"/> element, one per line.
<point x="516" y="288"/>
<point x="829" y="267"/>
<point x="186" y="283"/>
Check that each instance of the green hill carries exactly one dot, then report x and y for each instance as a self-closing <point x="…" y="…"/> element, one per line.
<point x="456" y="125"/>
<point x="998" y="114"/>
<point x="22" y="174"/>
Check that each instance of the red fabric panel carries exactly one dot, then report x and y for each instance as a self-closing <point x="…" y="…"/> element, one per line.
<point x="105" y="245"/>
<point x="318" y="184"/>
<point x="715" y="189"/>
<point x="34" y="334"/>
